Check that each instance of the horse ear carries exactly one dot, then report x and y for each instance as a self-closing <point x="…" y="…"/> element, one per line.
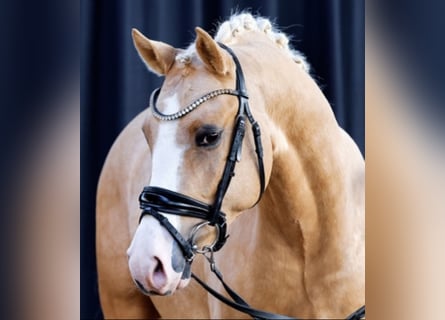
<point x="213" y="56"/>
<point x="157" y="56"/>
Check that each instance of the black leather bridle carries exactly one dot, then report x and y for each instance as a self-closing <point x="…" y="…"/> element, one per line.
<point x="155" y="199"/>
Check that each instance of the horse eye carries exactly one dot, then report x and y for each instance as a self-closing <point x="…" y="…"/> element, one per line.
<point x="208" y="136"/>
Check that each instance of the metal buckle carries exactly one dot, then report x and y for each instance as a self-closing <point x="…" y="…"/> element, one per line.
<point x="205" y="248"/>
<point x="211" y="260"/>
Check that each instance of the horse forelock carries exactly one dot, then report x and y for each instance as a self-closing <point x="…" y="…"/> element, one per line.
<point x="230" y="31"/>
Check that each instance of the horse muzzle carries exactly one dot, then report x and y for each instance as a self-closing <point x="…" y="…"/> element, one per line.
<point x="156" y="262"/>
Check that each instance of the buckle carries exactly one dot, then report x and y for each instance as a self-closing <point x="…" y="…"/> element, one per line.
<point x="205" y="248"/>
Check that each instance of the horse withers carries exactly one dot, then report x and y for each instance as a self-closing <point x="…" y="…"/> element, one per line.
<point x="299" y="251"/>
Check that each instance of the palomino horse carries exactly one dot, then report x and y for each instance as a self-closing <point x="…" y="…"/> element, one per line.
<point x="299" y="251"/>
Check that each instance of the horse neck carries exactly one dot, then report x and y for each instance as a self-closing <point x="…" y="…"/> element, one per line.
<point x="315" y="194"/>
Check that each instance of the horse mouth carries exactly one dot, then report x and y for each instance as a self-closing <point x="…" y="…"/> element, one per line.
<point x="151" y="292"/>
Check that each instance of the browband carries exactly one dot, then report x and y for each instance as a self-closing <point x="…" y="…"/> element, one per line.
<point x="161" y="116"/>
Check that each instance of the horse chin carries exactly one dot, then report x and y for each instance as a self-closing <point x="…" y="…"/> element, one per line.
<point x="181" y="284"/>
<point x="148" y="292"/>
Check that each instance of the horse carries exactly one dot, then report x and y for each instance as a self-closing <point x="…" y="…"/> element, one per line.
<point x="295" y="220"/>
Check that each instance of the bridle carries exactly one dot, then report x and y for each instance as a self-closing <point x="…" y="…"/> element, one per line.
<point x="155" y="199"/>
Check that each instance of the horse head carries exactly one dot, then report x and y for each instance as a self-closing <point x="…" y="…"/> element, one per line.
<point x="190" y="133"/>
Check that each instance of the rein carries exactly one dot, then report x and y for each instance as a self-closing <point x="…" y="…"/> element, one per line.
<point x="154" y="199"/>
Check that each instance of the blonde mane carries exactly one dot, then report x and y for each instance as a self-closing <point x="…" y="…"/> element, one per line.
<point x="244" y="22"/>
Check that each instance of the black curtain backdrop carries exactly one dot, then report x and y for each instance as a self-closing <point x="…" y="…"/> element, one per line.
<point x="115" y="85"/>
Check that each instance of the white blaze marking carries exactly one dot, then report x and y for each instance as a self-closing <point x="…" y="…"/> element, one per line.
<point x="167" y="155"/>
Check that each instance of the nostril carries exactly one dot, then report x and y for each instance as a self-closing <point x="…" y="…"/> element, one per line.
<point x="159" y="276"/>
<point x="159" y="267"/>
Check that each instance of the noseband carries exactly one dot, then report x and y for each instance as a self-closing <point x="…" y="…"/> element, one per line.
<point x="154" y="199"/>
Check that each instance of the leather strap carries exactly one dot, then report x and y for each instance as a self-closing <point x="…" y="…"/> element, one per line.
<point x="154" y="200"/>
<point x="358" y="314"/>
<point x="238" y="304"/>
<point x="244" y="106"/>
<point x="229" y="168"/>
<point x="259" y="151"/>
<point x="185" y="246"/>
<point x="237" y="140"/>
<point x="172" y="202"/>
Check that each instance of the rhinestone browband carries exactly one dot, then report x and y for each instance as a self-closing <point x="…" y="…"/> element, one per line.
<point x="159" y="115"/>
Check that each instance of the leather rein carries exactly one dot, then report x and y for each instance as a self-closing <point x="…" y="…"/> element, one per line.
<point x="154" y="199"/>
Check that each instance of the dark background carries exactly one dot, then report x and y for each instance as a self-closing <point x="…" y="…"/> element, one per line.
<point x="115" y="84"/>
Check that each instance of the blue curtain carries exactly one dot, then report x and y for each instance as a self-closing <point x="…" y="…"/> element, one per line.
<point x="115" y="85"/>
